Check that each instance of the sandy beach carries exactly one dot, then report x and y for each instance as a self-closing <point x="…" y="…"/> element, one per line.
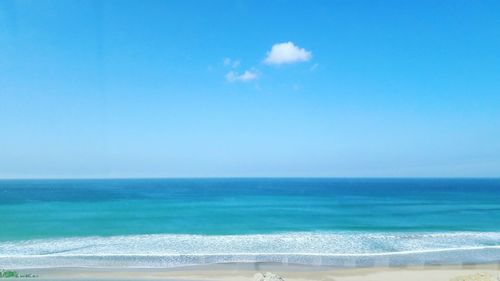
<point x="246" y="272"/>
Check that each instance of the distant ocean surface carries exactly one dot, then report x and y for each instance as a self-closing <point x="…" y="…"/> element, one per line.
<point x="175" y="222"/>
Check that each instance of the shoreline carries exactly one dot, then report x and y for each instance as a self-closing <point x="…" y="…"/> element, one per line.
<point x="334" y="249"/>
<point x="246" y="272"/>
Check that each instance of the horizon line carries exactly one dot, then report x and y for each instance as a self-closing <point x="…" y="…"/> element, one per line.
<point x="255" y="177"/>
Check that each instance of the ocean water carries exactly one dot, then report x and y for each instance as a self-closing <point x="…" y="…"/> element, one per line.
<point x="175" y="222"/>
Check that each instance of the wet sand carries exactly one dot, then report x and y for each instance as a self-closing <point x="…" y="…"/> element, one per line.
<point x="246" y="272"/>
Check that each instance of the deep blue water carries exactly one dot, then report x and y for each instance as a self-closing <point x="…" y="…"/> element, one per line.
<point x="286" y="215"/>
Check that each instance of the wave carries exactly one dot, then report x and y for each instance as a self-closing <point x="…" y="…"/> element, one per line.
<point x="332" y="248"/>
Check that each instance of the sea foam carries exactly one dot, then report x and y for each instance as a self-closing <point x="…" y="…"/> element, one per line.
<point x="342" y="249"/>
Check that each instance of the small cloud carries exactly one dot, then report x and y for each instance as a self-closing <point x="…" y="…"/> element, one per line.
<point x="231" y="63"/>
<point x="246" y="76"/>
<point x="296" y="87"/>
<point x="314" y="67"/>
<point x="283" y="53"/>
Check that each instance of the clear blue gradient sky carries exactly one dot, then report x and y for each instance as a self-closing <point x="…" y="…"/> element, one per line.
<point x="158" y="89"/>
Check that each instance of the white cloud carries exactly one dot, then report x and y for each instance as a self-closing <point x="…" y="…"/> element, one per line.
<point x="246" y="76"/>
<point x="283" y="53"/>
<point x="231" y="63"/>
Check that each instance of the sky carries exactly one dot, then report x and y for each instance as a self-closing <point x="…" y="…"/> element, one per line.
<point x="110" y="89"/>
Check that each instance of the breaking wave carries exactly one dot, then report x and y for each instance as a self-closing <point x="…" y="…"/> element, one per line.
<point x="340" y="249"/>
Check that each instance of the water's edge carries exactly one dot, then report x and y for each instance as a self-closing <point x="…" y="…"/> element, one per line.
<point x="346" y="249"/>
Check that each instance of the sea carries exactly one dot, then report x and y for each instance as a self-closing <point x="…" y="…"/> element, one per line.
<point x="158" y="223"/>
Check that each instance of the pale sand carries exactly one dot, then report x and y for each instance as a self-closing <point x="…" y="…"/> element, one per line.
<point x="245" y="272"/>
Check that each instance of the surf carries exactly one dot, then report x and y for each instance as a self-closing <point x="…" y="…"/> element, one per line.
<point x="339" y="249"/>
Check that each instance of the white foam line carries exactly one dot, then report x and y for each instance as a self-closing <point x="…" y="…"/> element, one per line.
<point x="258" y="254"/>
<point x="283" y="234"/>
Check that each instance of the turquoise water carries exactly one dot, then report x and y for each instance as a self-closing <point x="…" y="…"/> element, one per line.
<point x="157" y="223"/>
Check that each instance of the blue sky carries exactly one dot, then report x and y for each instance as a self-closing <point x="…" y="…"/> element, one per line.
<point x="196" y="89"/>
